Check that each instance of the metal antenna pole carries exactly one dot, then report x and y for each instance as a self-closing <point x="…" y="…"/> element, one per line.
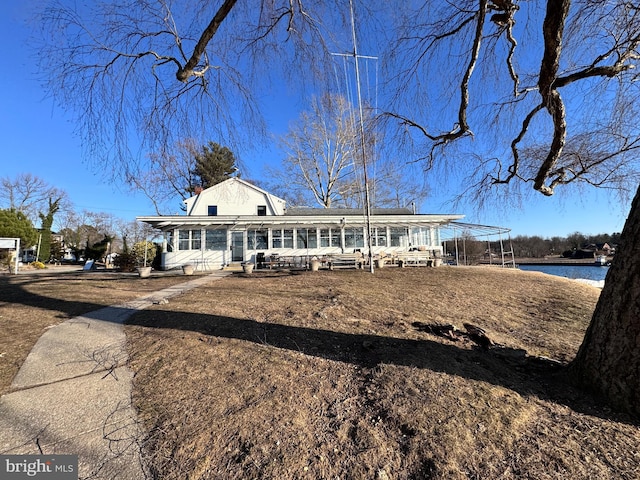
<point x="367" y="203"/>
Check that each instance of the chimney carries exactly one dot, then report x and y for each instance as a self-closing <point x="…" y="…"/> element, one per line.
<point x="198" y="190"/>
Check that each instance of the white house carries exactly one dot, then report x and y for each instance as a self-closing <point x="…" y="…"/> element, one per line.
<point x="235" y="221"/>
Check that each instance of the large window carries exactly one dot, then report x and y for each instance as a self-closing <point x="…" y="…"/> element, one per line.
<point x="379" y="235"/>
<point x="353" y="238"/>
<point x="257" y="239"/>
<point x="306" y="238"/>
<point x="281" y="238"/>
<point x="399" y="237"/>
<point x="215" y="239"/>
<point x="421" y="236"/>
<point x="189" y="239"/>
<point x="330" y="237"/>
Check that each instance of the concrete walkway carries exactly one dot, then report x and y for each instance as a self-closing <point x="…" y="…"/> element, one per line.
<point x="73" y="393"/>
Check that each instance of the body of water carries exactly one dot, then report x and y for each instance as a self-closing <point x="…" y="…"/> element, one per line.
<point x="588" y="272"/>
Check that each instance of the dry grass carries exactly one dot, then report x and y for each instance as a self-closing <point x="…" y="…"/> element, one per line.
<point x="32" y="302"/>
<point x="325" y="375"/>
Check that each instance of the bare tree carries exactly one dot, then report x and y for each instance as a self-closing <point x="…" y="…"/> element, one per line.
<point x="85" y="228"/>
<point x="136" y="232"/>
<point x="168" y="176"/>
<point x="141" y="76"/>
<point x="498" y="95"/>
<point x="319" y="166"/>
<point x="540" y="94"/>
<point x="395" y="184"/>
<point x="324" y="165"/>
<point x="30" y="194"/>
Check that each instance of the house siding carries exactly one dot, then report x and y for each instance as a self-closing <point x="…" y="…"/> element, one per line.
<point x="234" y="197"/>
<point x="237" y="203"/>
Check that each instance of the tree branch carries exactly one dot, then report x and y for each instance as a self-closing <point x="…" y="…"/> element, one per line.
<point x="552" y="30"/>
<point x="515" y="166"/>
<point x="183" y="74"/>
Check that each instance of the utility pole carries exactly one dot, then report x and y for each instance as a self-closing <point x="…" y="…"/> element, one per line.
<point x="367" y="201"/>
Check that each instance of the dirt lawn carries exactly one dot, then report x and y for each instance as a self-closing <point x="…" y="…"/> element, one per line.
<point x="32" y="302"/>
<point x="348" y="375"/>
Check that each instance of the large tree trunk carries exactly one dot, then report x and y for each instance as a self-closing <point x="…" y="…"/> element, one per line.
<point x="608" y="361"/>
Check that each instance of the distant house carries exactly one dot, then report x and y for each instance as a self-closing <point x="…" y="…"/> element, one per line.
<point x="600" y="248"/>
<point x="235" y="221"/>
<point x="581" y="253"/>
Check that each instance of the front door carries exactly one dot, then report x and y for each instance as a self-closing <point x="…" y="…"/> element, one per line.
<point x="237" y="246"/>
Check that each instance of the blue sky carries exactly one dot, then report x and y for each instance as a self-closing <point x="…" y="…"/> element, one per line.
<point x="37" y="137"/>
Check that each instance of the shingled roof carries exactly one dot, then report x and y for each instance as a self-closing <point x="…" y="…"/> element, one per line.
<point x="343" y="212"/>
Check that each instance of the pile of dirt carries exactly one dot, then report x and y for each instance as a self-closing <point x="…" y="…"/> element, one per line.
<point x="334" y="375"/>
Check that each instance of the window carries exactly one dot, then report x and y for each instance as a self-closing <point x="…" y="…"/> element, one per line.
<point x="330" y="237"/>
<point x="170" y="239"/>
<point x="281" y="238"/>
<point x="276" y="238"/>
<point x="420" y="236"/>
<point x="212" y="210"/>
<point x="257" y="239"/>
<point x="324" y="238"/>
<point x="353" y="238"/>
<point x="215" y="240"/>
<point x="189" y="239"/>
<point x="380" y="237"/>
<point x="288" y="238"/>
<point x="336" y="240"/>
<point x="262" y="210"/>
<point x="306" y="238"/>
<point x="399" y="237"/>
<point x="183" y="240"/>
<point x="195" y="239"/>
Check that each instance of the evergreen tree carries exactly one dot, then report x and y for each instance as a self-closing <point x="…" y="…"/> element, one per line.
<point x="214" y="165"/>
<point x="47" y="222"/>
<point x="98" y="250"/>
<point x="15" y="224"/>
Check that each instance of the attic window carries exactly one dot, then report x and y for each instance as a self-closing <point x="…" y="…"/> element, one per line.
<point x="212" y="210"/>
<point x="262" y="210"/>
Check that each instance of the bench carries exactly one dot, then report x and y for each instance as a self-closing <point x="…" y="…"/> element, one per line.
<point x="415" y="259"/>
<point x="277" y="261"/>
<point x="346" y="260"/>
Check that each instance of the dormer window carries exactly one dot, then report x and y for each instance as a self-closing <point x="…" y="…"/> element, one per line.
<point x="212" y="210"/>
<point x="262" y="210"/>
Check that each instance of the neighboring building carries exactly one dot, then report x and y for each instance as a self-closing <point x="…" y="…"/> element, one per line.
<point x="235" y="221"/>
<point x="28" y="255"/>
<point x="31" y="254"/>
<point x="600" y="248"/>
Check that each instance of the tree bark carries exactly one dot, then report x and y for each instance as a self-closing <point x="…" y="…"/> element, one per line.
<point x="553" y="29"/>
<point x="608" y="361"/>
<point x="188" y="70"/>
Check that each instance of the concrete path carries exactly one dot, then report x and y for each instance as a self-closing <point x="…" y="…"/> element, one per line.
<point x="73" y="393"/>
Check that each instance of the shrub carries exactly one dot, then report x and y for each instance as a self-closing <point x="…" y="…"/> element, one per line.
<point x="125" y="262"/>
<point x="139" y="251"/>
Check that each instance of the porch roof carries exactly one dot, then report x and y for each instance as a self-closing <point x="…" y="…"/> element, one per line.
<point x="170" y="222"/>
